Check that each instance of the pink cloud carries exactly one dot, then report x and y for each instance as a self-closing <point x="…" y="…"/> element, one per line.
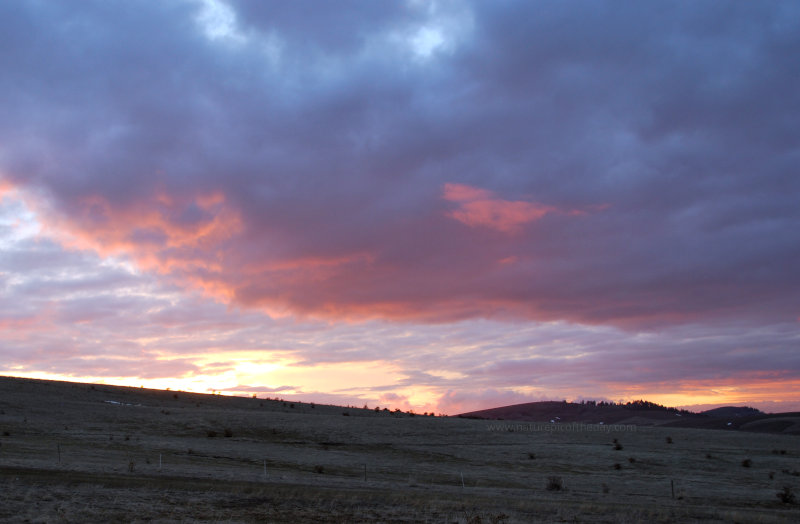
<point x="5" y="187"/>
<point x="454" y="402"/>
<point x="479" y="207"/>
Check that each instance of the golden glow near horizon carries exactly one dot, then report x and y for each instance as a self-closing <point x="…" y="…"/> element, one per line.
<point x="260" y="377"/>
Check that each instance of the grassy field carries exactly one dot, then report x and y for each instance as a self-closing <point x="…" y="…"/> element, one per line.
<point x="83" y="453"/>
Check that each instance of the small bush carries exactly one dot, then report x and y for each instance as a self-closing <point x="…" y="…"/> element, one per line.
<point x="631" y="459"/>
<point x="345" y="414"/>
<point x="669" y="440"/>
<point x="228" y="432"/>
<point x="532" y="456"/>
<point x="6" y="434"/>
<point x="617" y="466"/>
<point x="709" y="456"/>
<point x="617" y="446"/>
<point x="319" y="469"/>
<point x="786" y="495"/>
<point x="771" y="475"/>
<point x="554" y="483"/>
<point x="211" y="433"/>
<point x="605" y="488"/>
<point x="779" y="452"/>
<point x="474" y="517"/>
<point x="746" y="463"/>
<point x="175" y="396"/>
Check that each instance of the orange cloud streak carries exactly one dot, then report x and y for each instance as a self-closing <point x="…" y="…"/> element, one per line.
<point x="745" y="388"/>
<point x="153" y="231"/>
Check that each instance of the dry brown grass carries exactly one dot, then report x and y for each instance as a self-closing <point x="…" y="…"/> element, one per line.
<point x="315" y="462"/>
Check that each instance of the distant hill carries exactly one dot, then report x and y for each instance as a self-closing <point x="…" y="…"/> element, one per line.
<point x="643" y="413"/>
<point x="732" y="411"/>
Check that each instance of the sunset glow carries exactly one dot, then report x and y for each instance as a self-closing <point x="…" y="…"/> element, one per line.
<point x="441" y="206"/>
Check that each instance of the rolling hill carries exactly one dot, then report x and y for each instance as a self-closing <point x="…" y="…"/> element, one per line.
<point x="643" y="413"/>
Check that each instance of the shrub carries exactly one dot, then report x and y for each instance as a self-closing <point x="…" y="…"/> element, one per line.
<point x="211" y="433"/>
<point x="631" y="459"/>
<point x="617" y="466"/>
<point x="669" y="440"/>
<point x="532" y="456"/>
<point x="228" y="432"/>
<point x="746" y="463"/>
<point x="605" y="488"/>
<point x="617" y="446"/>
<point x="786" y="495"/>
<point x="319" y="469"/>
<point x="345" y="414"/>
<point x="6" y="434"/>
<point x="554" y="483"/>
<point x="474" y="517"/>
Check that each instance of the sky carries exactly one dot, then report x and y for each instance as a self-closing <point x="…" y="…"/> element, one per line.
<point x="432" y="205"/>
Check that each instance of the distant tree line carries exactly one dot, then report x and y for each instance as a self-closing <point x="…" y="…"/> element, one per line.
<point x="634" y="404"/>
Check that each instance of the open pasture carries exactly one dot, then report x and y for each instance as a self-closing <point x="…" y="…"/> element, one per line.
<point x="80" y="453"/>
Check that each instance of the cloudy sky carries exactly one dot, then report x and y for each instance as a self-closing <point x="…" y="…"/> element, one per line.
<point x="438" y="205"/>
